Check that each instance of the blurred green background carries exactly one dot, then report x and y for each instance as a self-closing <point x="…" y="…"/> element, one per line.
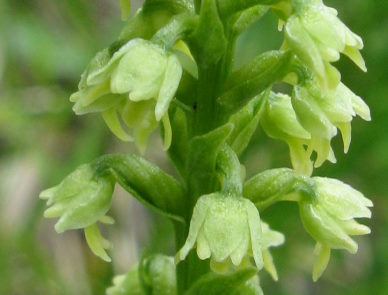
<point x="44" y="47"/>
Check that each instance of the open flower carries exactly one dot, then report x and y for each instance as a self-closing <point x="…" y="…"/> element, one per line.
<point x="329" y="218"/>
<point x="318" y="37"/>
<point x="80" y="201"/>
<point x="139" y="77"/>
<point x="279" y="121"/>
<point x="225" y="229"/>
<point x="321" y="114"/>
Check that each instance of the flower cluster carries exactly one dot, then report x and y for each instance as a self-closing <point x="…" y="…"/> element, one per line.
<point x="133" y="85"/>
<point x="320" y="103"/>
<point x="136" y="84"/>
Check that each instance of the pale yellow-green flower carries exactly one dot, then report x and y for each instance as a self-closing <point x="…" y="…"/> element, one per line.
<point x="80" y="201"/>
<point x="318" y="36"/>
<point x="279" y="121"/>
<point x="329" y="218"/>
<point x="322" y="113"/>
<point x="140" y="78"/>
<point x="225" y="229"/>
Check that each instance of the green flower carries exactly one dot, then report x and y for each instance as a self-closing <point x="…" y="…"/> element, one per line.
<point x="80" y="201"/>
<point x="321" y="114"/>
<point x="329" y="218"/>
<point x="318" y="37"/>
<point x="224" y="229"/>
<point x="140" y="79"/>
<point x="279" y="121"/>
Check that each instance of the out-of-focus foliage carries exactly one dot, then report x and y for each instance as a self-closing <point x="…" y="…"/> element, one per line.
<point x="44" y="46"/>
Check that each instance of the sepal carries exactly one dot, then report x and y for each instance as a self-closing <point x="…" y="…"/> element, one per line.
<point x="271" y="238"/>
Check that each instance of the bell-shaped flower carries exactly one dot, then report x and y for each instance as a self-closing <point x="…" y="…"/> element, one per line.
<point x="271" y="238"/>
<point x="317" y="36"/>
<point x="321" y="114"/>
<point x="328" y="217"/>
<point x="225" y="229"/>
<point x="141" y="76"/>
<point x="279" y="121"/>
<point x="80" y="201"/>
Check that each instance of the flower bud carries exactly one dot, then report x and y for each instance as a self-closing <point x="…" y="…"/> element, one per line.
<point x="80" y="201"/>
<point x="329" y="218"/>
<point x="224" y="229"/>
<point x="155" y="275"/>
<point x="158" y="274"/>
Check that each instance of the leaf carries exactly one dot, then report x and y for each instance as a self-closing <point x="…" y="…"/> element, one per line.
<point x="174" y="6"/>
<point x="245" y="123"/>
<point x="220" y="284"/>
<point x="228" y="8"/>
<point x="208" y="42"/>
<point x="178" y="28"/>
<point x="145" y="181"/>
<point x="202" y="163"/>
<point x="178" y="147"/>
<point x="247" y="17"/>
<point x="254" y="78"/>
<point x="275" y="185"/>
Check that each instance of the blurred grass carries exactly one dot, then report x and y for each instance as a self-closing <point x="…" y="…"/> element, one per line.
<point x="45" y="46"/>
